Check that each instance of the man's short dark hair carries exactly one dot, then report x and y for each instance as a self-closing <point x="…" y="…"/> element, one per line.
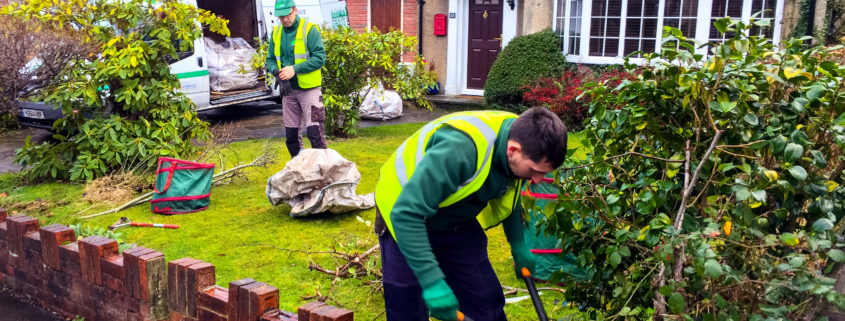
<point x="542" y="135"/>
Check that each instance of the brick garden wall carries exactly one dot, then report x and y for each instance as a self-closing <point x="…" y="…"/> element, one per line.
<point x="90" y="278"/>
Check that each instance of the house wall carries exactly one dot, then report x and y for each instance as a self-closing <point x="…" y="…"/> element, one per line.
<point x="434" y="47"/>
<point x="791" y="15"/>
<point x="534" y="16"/>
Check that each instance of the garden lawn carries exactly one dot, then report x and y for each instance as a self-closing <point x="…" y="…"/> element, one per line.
<point x="244" y="236"/>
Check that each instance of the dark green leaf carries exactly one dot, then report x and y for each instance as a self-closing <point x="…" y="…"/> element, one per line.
<point x="712" y="268"/>
<point x="818" y="159"/>
<point x="798" y="172"/>
<point x="676" y="303"/>
<point x="751" y="119"/>
<point x="792" y="152"/>
<point x="822" y="225"/>
<point x="836" y="255"/>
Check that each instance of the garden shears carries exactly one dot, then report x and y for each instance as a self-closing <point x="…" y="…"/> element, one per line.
<point x="124" y="221"/>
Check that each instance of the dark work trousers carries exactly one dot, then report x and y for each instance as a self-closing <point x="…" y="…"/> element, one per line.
<point x="462" y="255"/>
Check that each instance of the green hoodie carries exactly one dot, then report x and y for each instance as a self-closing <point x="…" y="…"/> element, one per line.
<point x="314" y="43"/>
<point x="450" y="159"/>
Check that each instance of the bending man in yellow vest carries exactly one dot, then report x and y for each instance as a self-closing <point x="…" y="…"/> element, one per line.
<point x="296" y="54"/>
<point x="455" y="177"/>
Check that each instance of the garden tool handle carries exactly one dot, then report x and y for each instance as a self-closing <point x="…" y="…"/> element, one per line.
<point x="462" y="317"/>
<point x="153" y="225"/>
<point x="532" y="291"/>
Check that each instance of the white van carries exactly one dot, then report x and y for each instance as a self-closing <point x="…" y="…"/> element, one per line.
<point x="249" y="20"/>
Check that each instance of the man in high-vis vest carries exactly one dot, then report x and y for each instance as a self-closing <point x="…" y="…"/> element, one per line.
<point x="437" y="193"/>
<point x="296" y="54"/>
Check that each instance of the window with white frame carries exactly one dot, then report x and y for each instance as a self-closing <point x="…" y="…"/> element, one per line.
<point x="605" y="31"/>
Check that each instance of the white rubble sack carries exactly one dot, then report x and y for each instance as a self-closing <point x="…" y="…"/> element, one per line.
<point x="318" y="180"/>
<point x="226" y="60"/>
<point x="380" y="104"/>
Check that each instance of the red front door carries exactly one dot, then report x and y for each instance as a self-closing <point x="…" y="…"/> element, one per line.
<point x="485" y="40"/>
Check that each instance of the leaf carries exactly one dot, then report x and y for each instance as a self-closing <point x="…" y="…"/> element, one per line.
<point x="742" y="193"/>
<point x="771" y="175"/>
<point x="727" y="228"/>
<point x="712" y="268"/>
<point x="789" y="239"/>
<point x="615" y="258"/>
<point x="751" y="119"/>
<point x="831" y="186"/>
<point x="792" y="152"/>
<point x="818" y="158"/>
<point x="798" y="172"/>
<point x="612" y="198"/>
<point x="822" y="225"/>
<point x="676" y="303"/>
<point x="836" y="255"/>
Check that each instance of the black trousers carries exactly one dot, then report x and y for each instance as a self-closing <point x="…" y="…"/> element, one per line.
<point x="462" y="255"/>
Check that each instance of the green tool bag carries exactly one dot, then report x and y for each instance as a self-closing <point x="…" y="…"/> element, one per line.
<point x="181" y="186"/>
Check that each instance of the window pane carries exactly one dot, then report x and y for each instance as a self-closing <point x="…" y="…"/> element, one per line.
<point x="612" y="27"/>
<point x="673" y="8"/>
<point x="635" y="8"/>
<point x="649" y="28"/>
<point x="596" y="46"/>
<point x="598" y="7"/>
<point x="719" y="8"/>
<point x="651" y="8"/>
<point x="631" y="45"/>
<point x="611" y="47"/>
<point x="690" y="8"/>
<point x="648" y="45"/>
<point x="674" y="23"/>
<point x="614" y="7"/>
<point x="596" y="27"/>
<point x="688" y="27"/>
<point x="632" y="28"/>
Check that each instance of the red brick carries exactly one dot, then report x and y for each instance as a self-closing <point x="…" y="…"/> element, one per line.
<point x="278" y="315"/>
<point x="317" y="313"/>
<point x="336" y="314"/>
<point x="304" y="312"/>
<point x="4" y="232"/>
<point x="69" y="259"/>
<point x="177" y="285"/>
<point x="214" y="299"/>
<point x="32" y="245"/>
<point x="206" y="315"/>
<point x="234" y="292"/>
<point x="91" y="250"/>
<point x="3" y="214"/>
<point x="113" y="266"/>
<point x="261" y="299"/>
<point x="132" y="262"/>
<point x="145" y="274"/>
<point x="200" y="276"/>
<point x="51" y="237"/>
<point x="243" y="302"/>
<point x="18" y="227"/>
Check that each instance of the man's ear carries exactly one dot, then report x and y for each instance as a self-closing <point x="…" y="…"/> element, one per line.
<point x="513" y="147"/>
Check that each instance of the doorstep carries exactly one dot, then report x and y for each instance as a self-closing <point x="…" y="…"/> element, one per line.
<point x="457" y="102"/>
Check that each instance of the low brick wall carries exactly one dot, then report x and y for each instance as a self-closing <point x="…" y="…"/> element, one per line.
<point x="90" y="278"/>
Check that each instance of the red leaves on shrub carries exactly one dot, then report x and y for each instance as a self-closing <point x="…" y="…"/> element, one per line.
<point x="560" y="95"/>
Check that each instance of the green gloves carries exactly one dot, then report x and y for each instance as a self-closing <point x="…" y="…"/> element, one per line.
<point x="441" y="301"/>
<point x="522" y="257"/>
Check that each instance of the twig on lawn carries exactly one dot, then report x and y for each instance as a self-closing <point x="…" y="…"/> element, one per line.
<point x="513" y="290"/>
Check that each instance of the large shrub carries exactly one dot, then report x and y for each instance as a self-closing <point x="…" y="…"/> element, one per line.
<point x="356" y="62"/>
<point x="522" y="62"/>
<point x="714" y="187"/>
<point x="127" y="90"/>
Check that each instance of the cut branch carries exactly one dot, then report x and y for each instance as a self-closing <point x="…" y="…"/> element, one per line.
<point x="623" y="155"/>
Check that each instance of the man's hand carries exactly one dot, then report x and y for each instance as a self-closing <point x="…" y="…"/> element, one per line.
<point x="441" y="301"/>
<point x="523" y="257"/>
<point x="286" y="73"/>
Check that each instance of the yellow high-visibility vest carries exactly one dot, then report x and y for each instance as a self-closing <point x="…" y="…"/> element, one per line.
<point x="482" y="127"/>
<point x="300" y="54"/>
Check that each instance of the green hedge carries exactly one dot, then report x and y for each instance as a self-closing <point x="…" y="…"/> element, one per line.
<point x="524" y="60"/>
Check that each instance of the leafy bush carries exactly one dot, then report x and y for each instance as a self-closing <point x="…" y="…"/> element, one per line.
<point x="136" y="113"/>
<point x="562" y="95"/>
<point x="713" y="191"/>
<point x="86" y="231"/>
<point x="522" y="62"/>
<point x="357" y="61"/>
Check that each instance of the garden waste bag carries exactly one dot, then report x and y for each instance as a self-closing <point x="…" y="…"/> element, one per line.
<point x="318" y="180"/>
<point x="545" y="248"/>
<point x="181" y="186"/>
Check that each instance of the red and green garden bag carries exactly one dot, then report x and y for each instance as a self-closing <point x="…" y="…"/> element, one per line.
<point x="181" y="186"/>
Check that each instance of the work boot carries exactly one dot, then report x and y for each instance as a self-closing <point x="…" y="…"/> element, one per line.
<point x="316" y="137"/>
<point x="292" y="141"/>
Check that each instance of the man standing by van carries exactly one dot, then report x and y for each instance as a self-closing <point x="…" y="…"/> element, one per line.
<point x="296" y="54"/>
<point x="455" y="177"/>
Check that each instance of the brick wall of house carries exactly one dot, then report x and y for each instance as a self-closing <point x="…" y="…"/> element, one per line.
<point x="90" y="278"/>
<point x="410" y="25"/>
<point x="357" y="11"/>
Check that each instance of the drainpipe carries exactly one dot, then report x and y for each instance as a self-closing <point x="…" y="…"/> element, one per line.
<point x="420" y="28"/>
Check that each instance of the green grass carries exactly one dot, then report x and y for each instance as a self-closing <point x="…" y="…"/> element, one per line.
<point x="242" y="234"/>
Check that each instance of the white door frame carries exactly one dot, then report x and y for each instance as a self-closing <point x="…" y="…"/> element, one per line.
<point x="458" y="29"/>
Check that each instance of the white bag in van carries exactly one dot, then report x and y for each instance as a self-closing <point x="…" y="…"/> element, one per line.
<point x="225" y="60"/>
